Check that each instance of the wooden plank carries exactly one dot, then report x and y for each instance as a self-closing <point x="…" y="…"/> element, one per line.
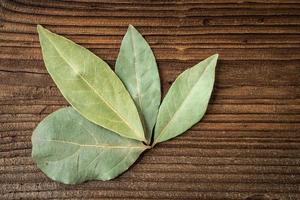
<point x="246" y="147"/>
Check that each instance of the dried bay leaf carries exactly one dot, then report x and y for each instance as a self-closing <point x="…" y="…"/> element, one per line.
<point x="70" y="149"/>
<point x="97" y="139"/>
<point x="186" y="101"/>
<point x="90" y="86"/>
<point x="137" y="68"/>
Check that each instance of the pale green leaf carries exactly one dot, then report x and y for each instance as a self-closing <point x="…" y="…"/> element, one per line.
<point x="70" y="149"/>
<point x="136" y="67"/>
<point x="186" y="101"/>
<point x="90" y="86"/>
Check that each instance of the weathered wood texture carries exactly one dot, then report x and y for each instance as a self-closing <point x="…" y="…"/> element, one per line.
<point x="246" y="147"/>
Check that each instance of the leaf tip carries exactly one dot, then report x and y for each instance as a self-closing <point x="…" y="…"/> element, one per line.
<point x="39" y="28"/>
<point x="130" y="26"/>
<point x="213" y="59"/>
<point x="215" y="56"/>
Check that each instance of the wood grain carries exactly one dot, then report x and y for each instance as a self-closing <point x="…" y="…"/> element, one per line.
<point x="246" y="147"/>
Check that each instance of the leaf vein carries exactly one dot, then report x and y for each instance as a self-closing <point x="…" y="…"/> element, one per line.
<point x="92" y="145"/>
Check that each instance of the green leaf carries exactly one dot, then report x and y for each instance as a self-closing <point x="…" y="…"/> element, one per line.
<point x="70" y="149"/>
<point x="186" y="101"/>
<point x="90" y="85"/>
<point x="136" y="67"/>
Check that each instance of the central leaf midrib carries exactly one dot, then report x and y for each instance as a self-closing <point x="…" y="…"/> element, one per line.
<point x="93" y="145"/>
<point x="107" y="103"/>
<point x="135" y="69"/>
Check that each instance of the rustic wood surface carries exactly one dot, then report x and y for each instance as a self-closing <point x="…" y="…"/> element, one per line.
<point x="246" y="147"/>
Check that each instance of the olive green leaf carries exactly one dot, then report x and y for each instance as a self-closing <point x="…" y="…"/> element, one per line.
<point x="90" y="86"/>
<point x="70" y="149"/>
<point x="136" y="67"/>
<point x="186" y="100"/>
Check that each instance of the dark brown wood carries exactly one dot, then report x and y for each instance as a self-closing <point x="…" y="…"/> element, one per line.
<point x="246" y="147"/>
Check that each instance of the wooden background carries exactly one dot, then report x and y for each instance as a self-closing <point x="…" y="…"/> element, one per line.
<point x="246" y="147"/>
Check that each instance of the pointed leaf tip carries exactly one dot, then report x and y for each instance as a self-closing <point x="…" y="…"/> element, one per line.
<point x="213" y="57"/>
<point x="216" y="56"/>
<point x="40" y="28"/>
